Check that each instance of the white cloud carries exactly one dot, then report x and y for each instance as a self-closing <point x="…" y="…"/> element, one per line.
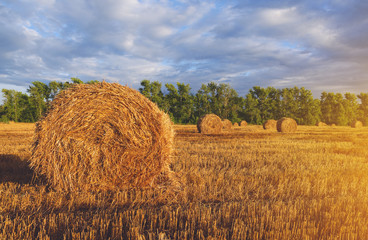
<point x="245" y="43"/>
<point x="280" y="16"/>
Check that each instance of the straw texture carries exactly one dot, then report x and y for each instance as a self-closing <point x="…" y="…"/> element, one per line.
<point x="226" y="124"/>
<point x="356" y="124"/>
<point x="243" y="123"/>
<point x="102" y="137"/>
<point x="321" y="124"/>
<point x="209" y="124"/>
<point x="270" y="124"/>
<point x="286" y="125"/>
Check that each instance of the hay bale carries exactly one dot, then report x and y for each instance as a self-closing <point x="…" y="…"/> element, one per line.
<point x="102" y="137"/>
<point x="270" y="124"/>
<point x="236" y="124"/>
<point x="226" y="124"/>
<point x="209" y="124"/>
<point x="333" y="125"/>
<point x="243" y="123"/>
<point x="356" y="124"/>
<point x="321" y="124"/>
<point x="286" y="125"/>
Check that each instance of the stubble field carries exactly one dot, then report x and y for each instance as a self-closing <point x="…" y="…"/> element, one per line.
<point x="246" y="183"/>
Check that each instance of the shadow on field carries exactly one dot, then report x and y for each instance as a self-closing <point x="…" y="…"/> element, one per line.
<point x="14" y="169"/>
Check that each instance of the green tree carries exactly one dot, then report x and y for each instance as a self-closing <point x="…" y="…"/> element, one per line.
<point x="363" y="108"/>
<point x="39" y="98"/>
<point x="54" y="88"/>
<point x="309" y="112"/>
<point x="250" y="111"/>
<point x="351" y="107"/>
<point x="152" y="90"/>
<point x="16" y="107"/>
<point x="3" y="114"/>
<point x="202" y="103"/>
<point x="327" y="102"/>
<point x="337" y="109"/>
<point x="93" y="82"/>
<point x="289" y="103"/>
<point x="76" y="80"/>
<point x="180" y="103"/>
<point x="219" y="99"/>
<point x="10" y="104"/>
<point x="266" y="101"/>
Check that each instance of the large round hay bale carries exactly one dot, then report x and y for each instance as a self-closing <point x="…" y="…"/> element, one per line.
<point x="356" y="124"/>
<point x="321" y="124"/>
<point x="226" y="124"/>
<point x="286" y="125"/>
<point x="270" y="124"/>
<point x="209" y="124"/>
<point x="243" y="123"/>
<point x="102" y="137"/>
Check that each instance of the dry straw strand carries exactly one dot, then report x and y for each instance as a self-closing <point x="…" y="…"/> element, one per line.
<point x="270" y="124"/>
<point x="321" y="124"/>
<point x="226" y="124"/>
<point x="100" y="137"/>
<point x="286" y="125"/>
<point x="356" y="124"/>
<point x="209" y="124"/>
<point x="243" y="123"/>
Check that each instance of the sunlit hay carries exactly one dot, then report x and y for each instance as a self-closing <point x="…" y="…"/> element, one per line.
<point x="321" y="124"/>
<point x="226" y="124"/>
<point x="209" y="124"/>
<point x="102" y="137"/>
<point x="243" y="123"/>
<point x="236" y="124"/>
<point x="333" y="125"/>
<point x="286" y="125"/>
<point x="270" y="124"/>
<point x="356" y="124"/>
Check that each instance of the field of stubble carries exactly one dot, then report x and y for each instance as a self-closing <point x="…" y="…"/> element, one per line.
<point x="246" y="183"/>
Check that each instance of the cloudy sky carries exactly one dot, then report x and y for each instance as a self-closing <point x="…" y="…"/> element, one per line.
<point x="316" y="44"/>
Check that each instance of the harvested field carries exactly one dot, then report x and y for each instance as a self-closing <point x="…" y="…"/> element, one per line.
<point x="245" y="183"/>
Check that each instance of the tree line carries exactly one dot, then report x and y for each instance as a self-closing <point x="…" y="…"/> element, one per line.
<point x="185" y="107"/>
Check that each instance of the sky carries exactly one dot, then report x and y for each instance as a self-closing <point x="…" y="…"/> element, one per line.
<point x="316" y="44"/>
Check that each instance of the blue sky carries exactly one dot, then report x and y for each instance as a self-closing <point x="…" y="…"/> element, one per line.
<point x="319" y="45"/>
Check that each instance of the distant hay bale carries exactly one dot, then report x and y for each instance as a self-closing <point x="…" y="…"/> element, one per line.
<point x="226" y="124"/>
<point x="243" y="123"/>
<point x="356" y="124"/>
<point x="321" y="124"/>
<point x="286" y="125"/>
<point x="209" y="124"/>
<point x="333" y="125"/>
<point x="270" y="124"/>
<point x="236" y="124"/>
<point x="102" y="137"/>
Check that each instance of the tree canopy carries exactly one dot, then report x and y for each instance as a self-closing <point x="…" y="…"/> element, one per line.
<point x="186" y="107"/>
